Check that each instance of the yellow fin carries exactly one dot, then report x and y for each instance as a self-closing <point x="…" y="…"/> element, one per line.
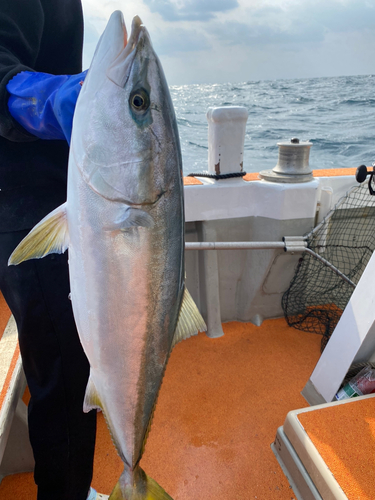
<point x="50" y="235"/>
<point x="92" y="399"/>
<point x="138" y="487"/>
<point x="190" y="320"/>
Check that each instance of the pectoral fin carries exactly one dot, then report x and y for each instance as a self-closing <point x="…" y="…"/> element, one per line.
<point x="138" y="217"/>
<point x="190" y="320"/>
<point x="131" y="217"/>
<point x="50" y="235"/>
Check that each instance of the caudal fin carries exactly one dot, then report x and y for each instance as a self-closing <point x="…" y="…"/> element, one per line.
<point x="138" y="486"/>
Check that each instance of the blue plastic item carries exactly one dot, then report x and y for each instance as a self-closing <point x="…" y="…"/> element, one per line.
<point x="44" y="104"/>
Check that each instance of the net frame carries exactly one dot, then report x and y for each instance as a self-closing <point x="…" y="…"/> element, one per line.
<point x="317" y="296"/>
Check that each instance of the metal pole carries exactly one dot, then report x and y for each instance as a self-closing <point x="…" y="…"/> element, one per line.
<point x="234" y="245"/>
<point x="263" y="245"/>
<point x="331" y="266"/>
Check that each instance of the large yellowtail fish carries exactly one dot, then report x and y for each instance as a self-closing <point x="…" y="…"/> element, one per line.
<point x="123" y="223"/>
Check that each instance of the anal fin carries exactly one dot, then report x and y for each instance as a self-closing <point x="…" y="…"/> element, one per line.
<point x="92" y="399"/>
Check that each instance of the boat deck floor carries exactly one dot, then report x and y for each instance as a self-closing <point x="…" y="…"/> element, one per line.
<point x="219" y="408"/>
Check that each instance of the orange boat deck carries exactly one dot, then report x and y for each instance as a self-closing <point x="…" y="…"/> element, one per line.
<point x="344" y="436"/>
<point x="220" y="405"/>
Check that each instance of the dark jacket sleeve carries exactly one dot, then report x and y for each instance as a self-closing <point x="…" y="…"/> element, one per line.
<point x="21" y="28"/>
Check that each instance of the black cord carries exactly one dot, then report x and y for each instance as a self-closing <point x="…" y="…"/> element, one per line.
<point x="217" y="177"/>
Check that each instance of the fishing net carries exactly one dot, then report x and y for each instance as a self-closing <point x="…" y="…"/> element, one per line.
<point x="317" y="297"/>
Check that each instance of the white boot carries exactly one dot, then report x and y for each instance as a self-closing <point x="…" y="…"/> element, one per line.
<point x="93" y="495"/>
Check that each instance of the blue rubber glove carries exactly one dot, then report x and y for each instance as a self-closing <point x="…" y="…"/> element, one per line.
<point x="44" y="104"/>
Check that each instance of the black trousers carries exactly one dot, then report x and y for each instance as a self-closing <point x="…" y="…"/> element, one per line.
<point x="56" y="368"/>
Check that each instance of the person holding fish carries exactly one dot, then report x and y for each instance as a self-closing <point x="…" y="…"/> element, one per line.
<point x="123" y="226"/>
<point x="40" y="79"/>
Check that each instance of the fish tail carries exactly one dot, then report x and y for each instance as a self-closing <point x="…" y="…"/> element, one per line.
<point x="137" y="485"/>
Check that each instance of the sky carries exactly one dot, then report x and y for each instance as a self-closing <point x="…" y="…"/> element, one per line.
<point x="218" y="41"/>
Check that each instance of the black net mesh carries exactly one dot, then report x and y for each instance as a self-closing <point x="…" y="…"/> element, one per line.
<point x="317" y="296"/>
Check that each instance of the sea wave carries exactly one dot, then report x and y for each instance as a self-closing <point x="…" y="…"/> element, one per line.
<point x="336" y="114"/>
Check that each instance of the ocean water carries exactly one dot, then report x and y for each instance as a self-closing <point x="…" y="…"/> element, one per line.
<point x="336" y="114"/>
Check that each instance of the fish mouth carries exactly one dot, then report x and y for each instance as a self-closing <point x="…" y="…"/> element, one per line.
<point x="118" y="72"/>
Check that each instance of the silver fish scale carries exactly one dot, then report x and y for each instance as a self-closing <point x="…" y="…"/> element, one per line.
<point x="126" y="261"/>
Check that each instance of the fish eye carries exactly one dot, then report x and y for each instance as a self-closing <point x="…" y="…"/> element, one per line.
<point x="139" y="100"/>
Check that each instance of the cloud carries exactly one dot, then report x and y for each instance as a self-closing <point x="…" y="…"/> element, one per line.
<point x="295" y="24"/>
<point x="237" y="33"/>
<point x="91" y="38"/>
<point x="173" y="41"/>
<point x="240" y="40"/>
<point x="343" y="16"/>
<point x="190" y="10"/>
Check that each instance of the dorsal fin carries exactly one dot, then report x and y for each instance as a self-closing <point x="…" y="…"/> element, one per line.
<point x="50" y="235"/>
<point x="190" y="320"/>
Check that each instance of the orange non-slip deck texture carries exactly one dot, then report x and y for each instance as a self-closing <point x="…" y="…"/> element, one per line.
<point x="344" y="436"/>
<point x="220" y="405"/>
<point x="4" y="315"/>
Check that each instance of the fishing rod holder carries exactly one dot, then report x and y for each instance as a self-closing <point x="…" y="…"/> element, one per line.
<point x="361" y="175"/>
